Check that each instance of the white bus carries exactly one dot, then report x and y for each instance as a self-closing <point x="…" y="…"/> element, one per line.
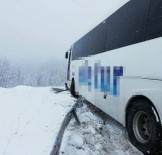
<point x="117" y="66"/>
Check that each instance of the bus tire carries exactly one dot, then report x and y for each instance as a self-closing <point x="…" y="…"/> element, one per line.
<point x="144" y="128"/>
<point x="72" y="88"/>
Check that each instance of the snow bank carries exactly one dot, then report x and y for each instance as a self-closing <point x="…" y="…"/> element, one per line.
<point x="30" y="119"/>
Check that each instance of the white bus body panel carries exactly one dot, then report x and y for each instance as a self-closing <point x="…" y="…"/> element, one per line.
<point x="142" y="75"/>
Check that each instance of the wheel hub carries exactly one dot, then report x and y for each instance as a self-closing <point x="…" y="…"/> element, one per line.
<point x="142" y="127"/>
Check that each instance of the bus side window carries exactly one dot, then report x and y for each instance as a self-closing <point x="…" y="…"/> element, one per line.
<point x="98" y="37"/>
<point x="127" y="25"/>
<point x="84" y="43"/>
<point x="154" y="29"/>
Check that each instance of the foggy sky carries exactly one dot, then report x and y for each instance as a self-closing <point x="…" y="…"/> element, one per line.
<point x="42" y="30"/>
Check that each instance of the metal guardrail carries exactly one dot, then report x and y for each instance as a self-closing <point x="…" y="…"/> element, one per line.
<point x="67" y="119"/>
<point x="59" y="90"/>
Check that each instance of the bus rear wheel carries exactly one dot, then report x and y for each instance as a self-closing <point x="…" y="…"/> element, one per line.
<point x="144" y="129"/>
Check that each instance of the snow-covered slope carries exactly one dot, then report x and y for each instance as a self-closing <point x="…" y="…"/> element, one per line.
<point x="30" y="119"/>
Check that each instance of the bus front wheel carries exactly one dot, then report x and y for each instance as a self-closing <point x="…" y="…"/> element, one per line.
<point x="72" y="89"/>
<point x="144" y="129"/>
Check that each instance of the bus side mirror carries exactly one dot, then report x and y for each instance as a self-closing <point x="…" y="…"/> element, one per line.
<point x="66" y="55"/>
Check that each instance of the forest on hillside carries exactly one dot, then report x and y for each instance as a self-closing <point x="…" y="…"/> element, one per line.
<point x="12" y="75"/>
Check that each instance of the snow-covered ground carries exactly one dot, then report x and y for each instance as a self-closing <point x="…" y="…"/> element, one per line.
<point x="30" y="119"/>
<point x="97" y="135"/>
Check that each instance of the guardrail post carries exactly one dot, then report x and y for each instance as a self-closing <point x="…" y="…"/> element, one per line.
<point x="75" y="116"/>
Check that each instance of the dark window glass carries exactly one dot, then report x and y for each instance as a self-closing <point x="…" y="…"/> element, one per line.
<point x="155" y="20"/>
<point x="83" y="45"/>
<point x="136" y="21"/>
<point x="80" y="48"/>
<point x="128" y="25"/>
<point x="75" y="50"/>
<point x="98" y="37"/>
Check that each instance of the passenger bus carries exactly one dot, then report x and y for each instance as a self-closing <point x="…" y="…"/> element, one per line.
<point x="117" y="66"/>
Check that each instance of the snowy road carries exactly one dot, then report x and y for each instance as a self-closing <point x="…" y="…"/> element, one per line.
<point x="98" y="135"/>
<point x="30" y="119"/>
